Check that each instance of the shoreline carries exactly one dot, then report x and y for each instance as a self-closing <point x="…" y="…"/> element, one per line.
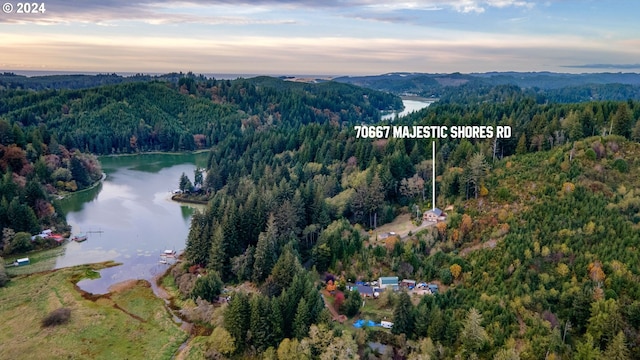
<point x="157" y="152"/>
<point x="176" y="198"/>
<point x="93" y="186"/>
<point x="418" y="98"/>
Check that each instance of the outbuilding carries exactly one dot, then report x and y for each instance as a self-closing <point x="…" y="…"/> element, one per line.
<point x="23" y="261"/>
<point x="388" y="282"/>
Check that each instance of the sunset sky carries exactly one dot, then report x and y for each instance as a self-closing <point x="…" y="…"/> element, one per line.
<point x="331" y="37"/>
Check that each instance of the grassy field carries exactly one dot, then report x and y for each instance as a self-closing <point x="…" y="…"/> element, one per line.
<point x="128" y="323"/>
<point x="39" y="261"/>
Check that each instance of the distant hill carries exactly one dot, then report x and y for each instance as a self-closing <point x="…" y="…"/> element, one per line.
<point x="10" y="80"/>
<point x="556" y="87"/>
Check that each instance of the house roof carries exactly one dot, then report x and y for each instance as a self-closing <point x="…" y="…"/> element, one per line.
<point x="365" y="290"/>
<point x="436" y="211"/>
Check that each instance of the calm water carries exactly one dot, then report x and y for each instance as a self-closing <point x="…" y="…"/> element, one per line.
<point x="409" y="107"/>
<point x="130" y="217"/>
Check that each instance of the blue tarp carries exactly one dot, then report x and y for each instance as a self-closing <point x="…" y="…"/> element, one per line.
<point x="361" y="323"/>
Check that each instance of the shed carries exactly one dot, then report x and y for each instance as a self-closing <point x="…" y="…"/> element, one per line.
<point x="433" y="288"/>
<point x="23" y="261"/>
<point x="389" y="281"/>
<point x="408" y="283"/>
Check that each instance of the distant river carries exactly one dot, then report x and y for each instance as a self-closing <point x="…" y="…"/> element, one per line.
<point x="130" y="218"/>
<point x="409" y="107"/>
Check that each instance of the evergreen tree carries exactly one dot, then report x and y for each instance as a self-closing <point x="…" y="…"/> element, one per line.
<point x="422" y="319"/>
<point x="521" y="148"/>
<point x="265" y="253"/>
<point x="260" y="325"/>
<point x="585" y="350"/>
<point x="275" y="321"/>
<point x="242" y="265"/>
<point x="621" y="121"/>
<point x="197" y="177"/>
<point x="476" y="171"/>
<point x="218" y="257"/>
<point x="437" y="326"/>
<point x="198" y="247"/>
<point x="79" y="172"/>
<point x="302" y="321"/>
<point x="284" y="270"/>
<point x="185" y="184"/>
<point x="473" y="335"/>
<point x="237" y="317"/>
<point x="207" y="287"/>
<point x="403" y="316"/>
<point x="353" y="303"/>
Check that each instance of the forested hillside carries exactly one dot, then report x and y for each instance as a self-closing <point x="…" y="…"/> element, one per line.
<point x="188" y="115"/>
<point x="537" y="258"/>
<point x="34" y="167"/>
<point x="46" y="136"/>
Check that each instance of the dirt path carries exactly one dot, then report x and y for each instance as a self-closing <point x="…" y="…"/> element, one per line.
<point x="401" y="225"/>
<point x="336" y="317"/>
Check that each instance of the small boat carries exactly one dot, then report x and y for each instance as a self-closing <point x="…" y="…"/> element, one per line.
<point x="79" y="237"/>
<point x="169" y="253"/>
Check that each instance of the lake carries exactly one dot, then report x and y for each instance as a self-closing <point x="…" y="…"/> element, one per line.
<point x="409" y="107"/>
<point x="130" y="217"/>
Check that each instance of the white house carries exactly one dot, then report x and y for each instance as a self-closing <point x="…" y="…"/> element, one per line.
<point x="434" y="215"/>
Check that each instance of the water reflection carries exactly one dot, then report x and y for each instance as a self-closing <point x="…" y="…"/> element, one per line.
<point x="187" y="212"/>
<point x="130" y="218"/>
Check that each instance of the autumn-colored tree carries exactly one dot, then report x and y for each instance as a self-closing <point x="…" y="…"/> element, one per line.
<point x="221" y="341"/>
<point x="341" y="348"/>
<point x="617" y="349"/>
<point x="455" y="236"/>
<point x="596" y="274"/>
<point x="14" y="158"/>
<point x="568" y="187"/>
<point x="338" y="300"/>
<point x="390" y="243"/>
<point x="456" y="270"/>
<point x="465" y="225"/>
<point x="442" y="229"/>
<point x="293" y="349"/>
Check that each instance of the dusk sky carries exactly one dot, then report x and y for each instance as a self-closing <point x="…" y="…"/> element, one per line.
<point x="331" y="37"/>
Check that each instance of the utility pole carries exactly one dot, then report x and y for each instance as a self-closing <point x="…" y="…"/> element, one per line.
<point x="433" y="174"/>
